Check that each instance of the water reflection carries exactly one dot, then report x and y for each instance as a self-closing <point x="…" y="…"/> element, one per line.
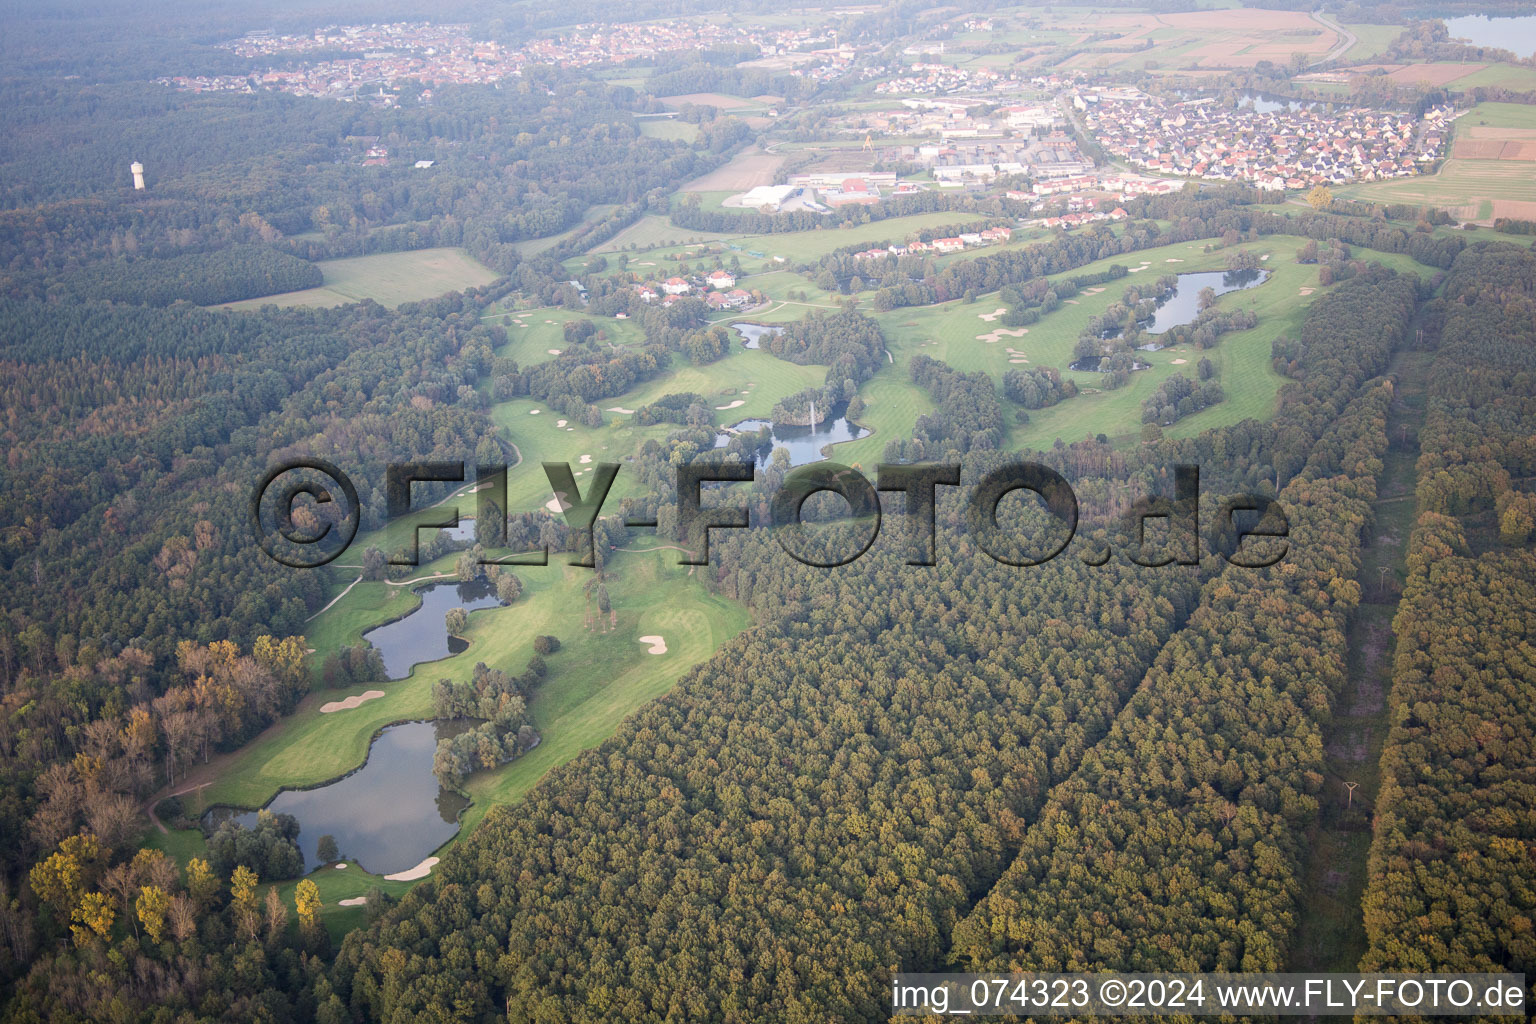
<point x="803" y="443"/>
<point x="388" y="816"/>
<point x="422" y="635"/>
<point x="753" y="334"/>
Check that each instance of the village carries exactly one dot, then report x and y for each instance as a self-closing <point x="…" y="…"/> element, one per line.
<point x="1290" y="146"/>
<point x="362" y="61"/>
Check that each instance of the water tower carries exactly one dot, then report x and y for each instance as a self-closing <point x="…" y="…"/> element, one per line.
<point x="138" y="175"/>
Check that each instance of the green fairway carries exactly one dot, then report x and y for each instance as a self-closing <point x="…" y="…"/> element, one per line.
<point x="387" y="278"/>
<point x="1242" y="359"/>
<point x="597" y="678"/>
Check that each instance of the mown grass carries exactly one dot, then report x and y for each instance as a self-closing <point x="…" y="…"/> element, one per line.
<point x="388" y="278"/>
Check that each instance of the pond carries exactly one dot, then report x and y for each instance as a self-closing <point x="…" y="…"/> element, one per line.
<point x="1091" y="365"/>
<point x="1268" y="103"/>
<point x="752" y="335"/>
<point x="1262" y="102"/>
<point x="1513" y="33"/>
<point x="803" y="443"/>
<point x="422" y="635"/>
<point x="388" y="815"/>
<point x="1183" y="305"/>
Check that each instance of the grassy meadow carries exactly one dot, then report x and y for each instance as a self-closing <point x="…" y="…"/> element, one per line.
<point x="388" y="278"/>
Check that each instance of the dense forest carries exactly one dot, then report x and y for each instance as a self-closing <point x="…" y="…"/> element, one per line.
<point x="1451" y="873"/>
<point x="1097" y="762"/>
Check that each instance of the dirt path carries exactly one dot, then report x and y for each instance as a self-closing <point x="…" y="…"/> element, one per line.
<point x="1330" y="934"/>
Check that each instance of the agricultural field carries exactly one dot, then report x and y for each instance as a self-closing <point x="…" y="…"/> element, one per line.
<point x="1490" y="173"/>
<point x="1196" y="41"/>
<point x="1370" y="40"/>
<point x="749" y="168"/>
<point x="387" y="278"/>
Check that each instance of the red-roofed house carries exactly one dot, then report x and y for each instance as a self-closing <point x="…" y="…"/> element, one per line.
<point x="676" y="286"/>
<point x="720" y="280"/>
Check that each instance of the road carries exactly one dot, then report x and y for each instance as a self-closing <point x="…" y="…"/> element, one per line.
<point x="1348" y="42"/>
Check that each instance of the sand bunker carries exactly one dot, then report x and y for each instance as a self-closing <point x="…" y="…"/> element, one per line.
<point x="989" y="317"/>
<point x="586" y="459"/>
<point x="561" y="423"/>
<point x="1133" y="270"/>
<point x="995" y="336"/>
<point x="553" y="351"/>
<point x="1173" y="259"/>
<point x="533" y="412"/>
<point x="1018" y="360"/>
<point x="1071" y="302"/>
<point x="658" y="644"/>
<point x="1092" y="291"/>
<point x="355" y="901"/>
<point x="1264" y="257"/>
<point x="351" y="702"/>
<point x="620" y="408"/>
<point x="421" y="870"/>
<point x="1307" y="291"/>
<point x="342" y="866"/>
<point x="557" y="504"/>
<point x="1180" y="362"/>
<point x="738" y="402"/>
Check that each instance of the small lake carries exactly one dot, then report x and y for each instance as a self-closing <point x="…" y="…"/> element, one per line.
<point x="804" y="443"/>
<point x="1512" y="33"/>
<point x="752" y="335"/>
<point x="423" y="634"/>
<point x="1262" y="102"/>
<point x="388" y="815"/>
<point x="1183" y="306"/>
<point x="1267" y="103"/>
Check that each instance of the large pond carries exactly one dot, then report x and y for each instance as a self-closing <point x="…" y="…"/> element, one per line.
<point x="388" y="816"/>
<point x="423" y="634"/>
<point x="804" y="443"/>
<point x="1515" y="33"/>
<point x="1183" y="305"/>
<point x="1262" y="102"/>
<point x="752" y="335"/>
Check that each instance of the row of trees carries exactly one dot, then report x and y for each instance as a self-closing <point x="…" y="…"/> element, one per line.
<point x="1450" y="871"/>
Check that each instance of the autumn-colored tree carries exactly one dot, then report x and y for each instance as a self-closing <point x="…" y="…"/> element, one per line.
<point x="59" y="880"/>
<point x="151" y="907"/>
<point x="93" y="916"/>
<point x="306" y="900"/>
<point x="242" y="889"/>
<point x="1320" y="198"/>
<point x="202" y="883"/>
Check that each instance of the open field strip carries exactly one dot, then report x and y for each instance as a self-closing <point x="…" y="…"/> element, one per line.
<point x="388" y="278"/>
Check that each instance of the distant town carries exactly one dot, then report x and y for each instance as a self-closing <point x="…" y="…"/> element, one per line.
<point x="365" y="62"/>
<point x="979" y="127"/>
